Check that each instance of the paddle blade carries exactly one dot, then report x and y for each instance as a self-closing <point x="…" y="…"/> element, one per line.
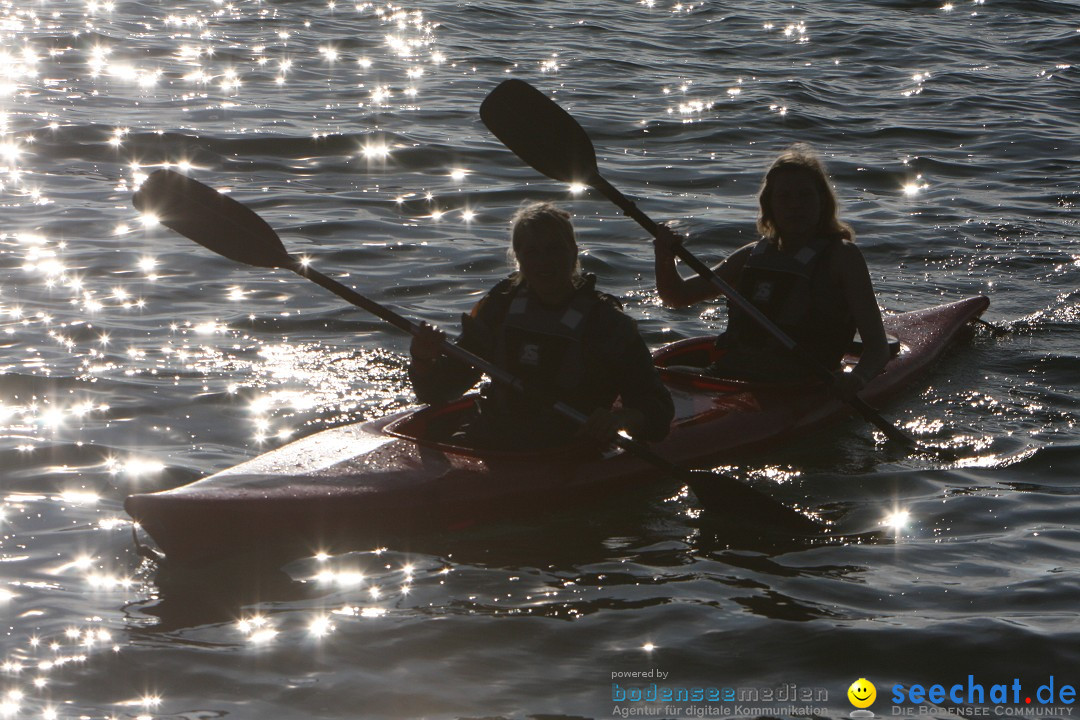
<point x="539" y="132"/>
<point x="728" y="497"/>
<point x="213" y="220"/>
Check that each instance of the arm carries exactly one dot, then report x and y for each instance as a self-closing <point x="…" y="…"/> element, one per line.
<point x="647" y="409"/>
<point x="677" y="291"/>
<point x="439" y="379"/>
<point x="859" y="293"/>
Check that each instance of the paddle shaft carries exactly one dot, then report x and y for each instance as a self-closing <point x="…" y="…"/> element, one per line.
<point x="630" y="209"/>
<point x="494" y="371"/>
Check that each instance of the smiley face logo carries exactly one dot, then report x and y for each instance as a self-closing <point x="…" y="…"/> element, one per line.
<point x="862" y="693"/>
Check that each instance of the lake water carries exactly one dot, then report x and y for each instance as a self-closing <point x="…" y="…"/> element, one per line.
<point x="133" y="360"/>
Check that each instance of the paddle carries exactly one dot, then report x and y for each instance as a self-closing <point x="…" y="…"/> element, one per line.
<point x="221" y="224"/>
<point x="547" y="138"/>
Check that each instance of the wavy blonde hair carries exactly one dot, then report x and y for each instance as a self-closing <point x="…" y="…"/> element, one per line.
<point x="802" y="158"/>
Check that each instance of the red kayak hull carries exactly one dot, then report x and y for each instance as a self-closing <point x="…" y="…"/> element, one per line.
<point x="370" y="484"/>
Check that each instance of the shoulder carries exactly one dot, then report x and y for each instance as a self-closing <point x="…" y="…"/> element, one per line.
<point x="506" y="286"/>
<point x="497" y="299"/>
<point x="848" y="266"/>
<point x="609" y="302"/>
<point x="745" y="251"/>
<point x="730" y="268"/>
<point x="738" y="258"/>
<point x="587" y="284"/>
<point x="607" y="315"/>
<point x="847" y="257"/>
<point x="611" y="329"/>
<point x="846" y="248"/>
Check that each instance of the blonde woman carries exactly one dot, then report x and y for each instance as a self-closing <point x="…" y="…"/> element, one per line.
<point x="548" y="325"/>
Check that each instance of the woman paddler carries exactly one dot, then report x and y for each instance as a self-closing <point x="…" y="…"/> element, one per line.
<point x="805" y="274"/>
<point x="549" y="326"/>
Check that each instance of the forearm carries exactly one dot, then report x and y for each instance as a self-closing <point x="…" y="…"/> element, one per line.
<point x="644" y="397"/>
<point x="861" y="299"/>
<point x="669" y="284"/>
<point x="438" y="378"/>
<point x="875" y="355"/>
<point x="441" y="380"/>
<point x="649" y="420"/>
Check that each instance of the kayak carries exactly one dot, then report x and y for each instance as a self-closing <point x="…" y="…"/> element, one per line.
<point x="369" y="484"/>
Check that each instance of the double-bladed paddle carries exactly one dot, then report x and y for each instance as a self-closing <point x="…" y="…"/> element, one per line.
<point x="546" y="137"/>
<point x="229" y="228"/>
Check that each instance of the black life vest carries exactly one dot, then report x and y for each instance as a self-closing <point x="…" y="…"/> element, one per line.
<point x="544" y="345"/>
<point x="798" y="293"/>
<point x="562" y="352"/>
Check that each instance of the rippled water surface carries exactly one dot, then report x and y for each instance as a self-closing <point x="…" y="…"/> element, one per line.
<point x="133" y="360"/>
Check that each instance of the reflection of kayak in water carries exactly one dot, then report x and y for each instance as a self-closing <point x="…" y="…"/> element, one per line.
<point x="364" y="485"/>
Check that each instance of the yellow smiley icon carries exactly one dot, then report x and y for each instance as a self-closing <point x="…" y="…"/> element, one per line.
<point x="862" y="693"/>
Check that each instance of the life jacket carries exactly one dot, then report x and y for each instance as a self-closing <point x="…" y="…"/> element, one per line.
<point x="798" y="293"/>
<point x="543" y="346"/>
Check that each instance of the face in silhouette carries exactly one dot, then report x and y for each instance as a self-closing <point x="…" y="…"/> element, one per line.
<point x="796" y="205"/>
<point x="547" y="266"/>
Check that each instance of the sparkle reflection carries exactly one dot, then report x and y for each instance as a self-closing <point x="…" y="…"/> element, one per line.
<point x="341" y="578"/>
<point x="897" y="520"/>
<point x="913" y="188"/>
<point x="133" y="467"/>
<point x="258" y="629"/>
<point x="376" y="150"/>
<point x="321" y="626"/>
<point x="80" y="497"/>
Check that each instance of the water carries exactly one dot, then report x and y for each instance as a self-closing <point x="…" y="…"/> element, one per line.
<point x="134" y="360"/>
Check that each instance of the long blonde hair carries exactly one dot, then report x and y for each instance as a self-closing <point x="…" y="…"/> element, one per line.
<point x="802" y="158"/>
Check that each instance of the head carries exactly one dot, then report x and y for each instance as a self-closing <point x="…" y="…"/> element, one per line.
<point x="543" y="246"/>
<point x="797" y="199"/>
